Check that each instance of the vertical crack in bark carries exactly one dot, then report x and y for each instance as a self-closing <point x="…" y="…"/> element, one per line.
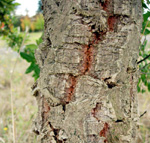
<point x="131" y="94"/>
<point x="87" y="59"/>
<point x="112" y="19"/>
<point x="105" y="4"/>
<point x="95" y="110"/>
<point x="45" y="111"/>
<point x="64" y="107"/>
<point x="88" y="51"/>
<point x="70" y="91"/>
<point x="42" y="113"/>
<point x="104" y="131"/>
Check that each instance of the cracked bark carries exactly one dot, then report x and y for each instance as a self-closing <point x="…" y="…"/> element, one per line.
<point x="85" y="93"/>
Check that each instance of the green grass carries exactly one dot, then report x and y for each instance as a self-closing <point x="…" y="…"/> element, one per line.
<point x="33" y="37"/>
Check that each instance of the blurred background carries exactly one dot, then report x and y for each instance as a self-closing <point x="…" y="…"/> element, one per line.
<point x="21" y="28"/>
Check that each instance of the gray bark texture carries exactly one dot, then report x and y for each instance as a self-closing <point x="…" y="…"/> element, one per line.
<point x="86" y="92"/>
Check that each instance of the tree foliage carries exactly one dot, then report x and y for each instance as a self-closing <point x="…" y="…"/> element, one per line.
<point x="28" y="55"/>
<point x="15" y="41"/>
<point x="14" y="38"/>
<point x="144" y="53"/>
<point x="6" y="8"/>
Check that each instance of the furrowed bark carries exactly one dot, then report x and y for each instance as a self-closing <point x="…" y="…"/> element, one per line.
<point x="86" y="92"/>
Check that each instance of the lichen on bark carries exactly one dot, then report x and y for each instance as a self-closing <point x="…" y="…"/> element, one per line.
<point x="85" y="93"/>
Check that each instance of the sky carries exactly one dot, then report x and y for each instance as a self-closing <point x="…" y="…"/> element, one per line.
<point x="30" y="5"/>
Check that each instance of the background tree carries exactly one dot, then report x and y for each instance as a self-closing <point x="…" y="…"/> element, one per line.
<point x="87" y="86"/>
<point x="39" y="7"/>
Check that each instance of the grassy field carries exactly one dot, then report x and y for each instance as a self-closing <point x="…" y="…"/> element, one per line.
<point x="25" y="105"/>
<point x="33" y="37"/>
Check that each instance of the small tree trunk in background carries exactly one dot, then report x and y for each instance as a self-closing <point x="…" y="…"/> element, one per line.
<point x="86" y="92"/>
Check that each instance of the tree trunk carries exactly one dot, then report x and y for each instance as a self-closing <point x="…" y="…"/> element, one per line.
<point x="86" y="92"/>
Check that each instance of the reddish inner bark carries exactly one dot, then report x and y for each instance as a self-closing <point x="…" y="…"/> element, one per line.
<point x="105" y="5"/>
<point x="112" y="20"/>
<point x="104" y="131"/>
<point x="87" y="58"/>
<point x="70" y="91"/>
<point x="88" y="51"/>
<point x="95" y="110"/>
<point x="46" y="109"/>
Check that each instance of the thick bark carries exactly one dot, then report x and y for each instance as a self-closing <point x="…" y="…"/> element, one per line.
<point x="86" y="92"/>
